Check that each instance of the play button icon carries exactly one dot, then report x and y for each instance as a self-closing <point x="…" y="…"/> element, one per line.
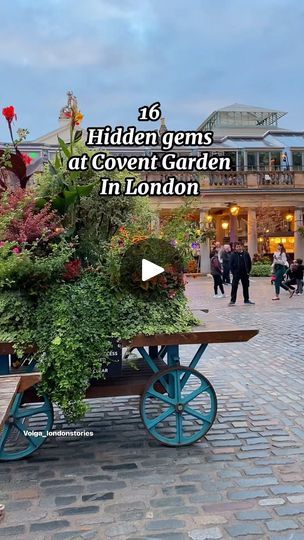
<point x="149" y="270"/>
<point x="147" y="259"/>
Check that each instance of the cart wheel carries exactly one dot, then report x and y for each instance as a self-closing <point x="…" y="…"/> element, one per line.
<point x="26" y="428"/>
<point x="178" y="406"/>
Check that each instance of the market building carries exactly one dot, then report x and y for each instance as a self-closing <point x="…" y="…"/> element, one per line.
<point x="259" y="201"/>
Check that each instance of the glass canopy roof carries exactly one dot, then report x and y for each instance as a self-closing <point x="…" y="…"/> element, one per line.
<point x="238" y="115"/>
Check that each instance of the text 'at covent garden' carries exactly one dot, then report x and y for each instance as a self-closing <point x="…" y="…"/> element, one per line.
<point x="259" y="201"/>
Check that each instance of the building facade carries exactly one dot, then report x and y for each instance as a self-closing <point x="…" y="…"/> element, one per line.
<point x="260" y="201"/>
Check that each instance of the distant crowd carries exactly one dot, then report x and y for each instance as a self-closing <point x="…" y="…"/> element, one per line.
<point x="227" y="261"/>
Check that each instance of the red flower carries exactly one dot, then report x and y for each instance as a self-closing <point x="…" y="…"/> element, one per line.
<point x="72" y="270"/>
<point x="27" y="160"/>
<point x="9" y="114"/>
<point x="16" y="250"/>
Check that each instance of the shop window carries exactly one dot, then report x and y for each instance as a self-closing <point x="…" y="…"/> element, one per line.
<point x="232" y="156"/>
<point x="297" y="162"/>
<point x="252" y="161"/>
<point x="287" y="241"/>
<point x="263" y="161"/>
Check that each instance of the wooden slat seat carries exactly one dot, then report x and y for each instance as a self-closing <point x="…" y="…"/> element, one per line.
<point x="211" y="333"/>
<point x="8" y="389"/>
<point x="10" y="385"/>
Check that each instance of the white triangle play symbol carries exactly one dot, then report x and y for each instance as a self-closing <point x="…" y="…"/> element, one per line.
<point x="149" y="270"/>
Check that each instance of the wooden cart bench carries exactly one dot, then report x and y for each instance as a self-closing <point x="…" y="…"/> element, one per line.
<point x="11" y="385"/>
<point x="178" y="404"/>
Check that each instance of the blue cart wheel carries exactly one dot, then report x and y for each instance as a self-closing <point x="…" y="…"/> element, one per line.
<point x="178" y="406"/>
<point x="26" y="428"/>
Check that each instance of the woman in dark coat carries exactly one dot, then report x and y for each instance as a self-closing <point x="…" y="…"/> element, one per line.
<point x="216" y="272"/>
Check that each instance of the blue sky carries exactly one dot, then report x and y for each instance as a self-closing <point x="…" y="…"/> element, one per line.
<point x="117" y="55"/>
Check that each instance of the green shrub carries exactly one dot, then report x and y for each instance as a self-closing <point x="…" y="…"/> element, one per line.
<point x="25" y="270"/>
<point x="261" y="270"/>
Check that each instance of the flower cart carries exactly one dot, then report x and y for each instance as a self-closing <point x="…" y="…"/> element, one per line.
<point x="65" y="294"/>
<point x="178" y="404"/>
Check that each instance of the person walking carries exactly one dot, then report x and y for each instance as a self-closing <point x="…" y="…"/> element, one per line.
<point x="240" y="266"/>
<point x="216" y="272"/>
<point x="219" y="249"/>
<point x="279" y="267"/>
<point x="226" y="256"/>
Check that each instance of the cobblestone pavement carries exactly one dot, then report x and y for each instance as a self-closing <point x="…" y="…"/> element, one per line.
<point x="244" y="480"/>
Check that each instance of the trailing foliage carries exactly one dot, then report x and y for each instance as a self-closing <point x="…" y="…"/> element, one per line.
<point x="71" y="324"/>
<point x="16" y="310"/>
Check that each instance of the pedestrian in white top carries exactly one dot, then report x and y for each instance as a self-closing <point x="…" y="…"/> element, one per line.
<point x="279" y="266"/>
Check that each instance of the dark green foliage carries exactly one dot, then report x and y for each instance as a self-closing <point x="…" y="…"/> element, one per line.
<point x="71" y="324"/>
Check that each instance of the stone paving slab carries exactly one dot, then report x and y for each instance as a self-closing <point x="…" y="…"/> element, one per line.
<point x="244" y="480"/>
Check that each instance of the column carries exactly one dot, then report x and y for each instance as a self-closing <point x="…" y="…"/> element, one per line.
<point x="299" y="240"/>
<point x="233" y="229"/>
<point x="252" y="232"/>
<point x="245" y="160"/>
<point x="204" y="248"/>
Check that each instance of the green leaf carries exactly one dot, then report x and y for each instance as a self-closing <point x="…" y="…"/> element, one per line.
<point x="63" y="200"/>
<point x="64" y="148"/>
<point x="70" y="197"/>
<point x="58" y="160"/>
<point x="69" y="233"/>
<point x="78" y="135"/>
<point x="56" y="340"/>
<point x="84" y="191"/>
<point x="52" y="169"/>
<point x="58" y="203"/>
<point x="41" y="202"/>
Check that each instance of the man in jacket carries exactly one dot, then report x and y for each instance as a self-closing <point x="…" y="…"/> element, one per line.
<point x="240" y="266"/>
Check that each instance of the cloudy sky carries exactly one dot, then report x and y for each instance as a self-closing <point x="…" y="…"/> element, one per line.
<point x="117" y="55"/>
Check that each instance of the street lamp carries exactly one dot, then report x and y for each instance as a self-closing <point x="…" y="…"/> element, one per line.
<point x="234" y="210"/>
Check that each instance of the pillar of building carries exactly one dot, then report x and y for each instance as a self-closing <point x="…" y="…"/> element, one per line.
<point x="298" y="239"/>
<point x="204" y="248"/>
<point x="233" y="229"/>
<point x="245" y="160"/>
<point x="252" y="236"/>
